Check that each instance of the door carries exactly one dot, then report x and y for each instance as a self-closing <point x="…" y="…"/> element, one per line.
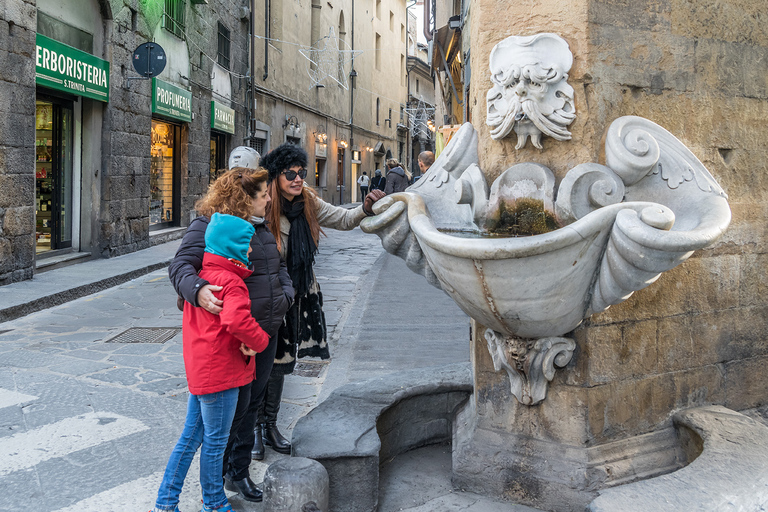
<point x="54" y="133"/>
<point x="340" y="175"/>
<point x="218" y="152"/>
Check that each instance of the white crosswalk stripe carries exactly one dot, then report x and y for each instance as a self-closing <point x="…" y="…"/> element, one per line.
<point x="9" y="398"/>
<point x="27" y="449"/>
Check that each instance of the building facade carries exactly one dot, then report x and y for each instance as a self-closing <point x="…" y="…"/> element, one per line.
<point x="346" y="115"/>
<point x="99" y="159"/>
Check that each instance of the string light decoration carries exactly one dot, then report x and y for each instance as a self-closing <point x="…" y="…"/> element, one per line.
<point x="420" y="120"/>
<point x="328" y="58"/>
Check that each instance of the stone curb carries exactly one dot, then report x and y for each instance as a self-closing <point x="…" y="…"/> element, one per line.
<point x="69" y="294"/>
<point x="728" y="471"/>
<point x="361" y="423"/>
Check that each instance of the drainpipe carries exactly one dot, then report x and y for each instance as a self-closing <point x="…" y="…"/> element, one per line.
<point x="427" y="13"/>
<point x="252" y="65"/>
<point x="267" y="8"/>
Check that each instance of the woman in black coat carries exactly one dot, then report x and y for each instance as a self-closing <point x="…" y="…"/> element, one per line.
<point x="271" y="293"/>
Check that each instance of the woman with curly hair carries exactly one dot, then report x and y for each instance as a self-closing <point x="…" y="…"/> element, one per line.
<point x="243" y="193"/>
<point x="296" y="216"/>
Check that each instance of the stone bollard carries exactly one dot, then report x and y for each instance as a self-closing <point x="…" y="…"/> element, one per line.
<point x="296" y="484"/>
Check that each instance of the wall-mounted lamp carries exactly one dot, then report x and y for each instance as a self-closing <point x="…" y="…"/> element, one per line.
<point x="292" y="123"/>
<point x="343" y="143"/>
<point x="321" y="137"/>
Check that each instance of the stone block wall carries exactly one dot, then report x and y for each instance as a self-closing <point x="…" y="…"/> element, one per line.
<point x="699" y="334"/>
<point x="17" y="140"/>
<point x="125" y="182"/>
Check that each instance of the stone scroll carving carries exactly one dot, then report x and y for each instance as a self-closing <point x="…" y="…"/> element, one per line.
<point x="530" y="364"/>
<point x="530" y="92"/>
<point x="645" y="211"/>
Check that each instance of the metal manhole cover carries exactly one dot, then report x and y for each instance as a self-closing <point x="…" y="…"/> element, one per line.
<point x="146" y="335"/>
<point x="309" y="368"/>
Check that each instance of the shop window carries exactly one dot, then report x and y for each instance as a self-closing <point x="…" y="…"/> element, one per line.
<point x="223" y="52"/>
<point x="163" y="171"/>
<point x="173" y="17"/>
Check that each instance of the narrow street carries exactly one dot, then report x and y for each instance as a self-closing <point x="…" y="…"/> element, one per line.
<point x="93" y="394"/>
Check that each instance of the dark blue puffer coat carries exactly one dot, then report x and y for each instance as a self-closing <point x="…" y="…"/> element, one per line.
<point x="269" y="287"/>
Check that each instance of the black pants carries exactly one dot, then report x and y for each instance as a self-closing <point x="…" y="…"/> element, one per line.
<point x="237" y="456"/>
<point x="363" y="193"/>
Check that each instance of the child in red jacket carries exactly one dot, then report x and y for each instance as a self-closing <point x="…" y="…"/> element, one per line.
<point x="217" y="363"/>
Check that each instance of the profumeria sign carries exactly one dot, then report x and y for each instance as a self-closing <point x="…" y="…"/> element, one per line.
<point x="68" y="69"/>
<point x="171" y="101"/>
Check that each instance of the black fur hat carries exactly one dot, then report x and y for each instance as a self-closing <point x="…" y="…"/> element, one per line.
<point x="282" y="157"/>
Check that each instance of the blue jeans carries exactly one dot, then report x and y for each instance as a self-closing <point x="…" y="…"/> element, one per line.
<point x="209" y="418"/>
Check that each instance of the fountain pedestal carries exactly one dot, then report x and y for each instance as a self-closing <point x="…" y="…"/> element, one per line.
<point x="582" y="438"/>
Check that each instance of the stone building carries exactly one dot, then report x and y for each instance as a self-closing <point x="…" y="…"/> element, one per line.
<point x="695" y="337"/>
<point x="347" y="121"/>
<point x="97" y="162"/>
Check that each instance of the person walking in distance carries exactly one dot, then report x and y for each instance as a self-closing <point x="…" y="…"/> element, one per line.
<point x="363" y="181"/>
<point x="426" y="159"/>
<point x="378" y="182"/>
<point x="296" y="217"/>
<point x="218" y="360"/>
<point x="397" y="179"/>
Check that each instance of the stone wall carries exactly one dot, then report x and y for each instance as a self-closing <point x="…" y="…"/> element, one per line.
<point x="126" y="191"/>
<point x="698" y="335"/>
<point x="17" y="140"/>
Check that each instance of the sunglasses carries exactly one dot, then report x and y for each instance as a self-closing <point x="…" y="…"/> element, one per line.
<point x="291" y="175"/>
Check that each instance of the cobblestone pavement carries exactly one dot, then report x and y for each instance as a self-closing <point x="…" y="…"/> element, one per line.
<point x="88" y="417"/>
<point x="93" y="394"/>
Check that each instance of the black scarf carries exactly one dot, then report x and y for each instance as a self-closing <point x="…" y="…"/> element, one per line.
<point x="301" y="246"/>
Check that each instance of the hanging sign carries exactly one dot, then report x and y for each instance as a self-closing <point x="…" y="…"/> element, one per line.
<point x="171" y="101"/>
<point x="68" y="69"/>
<point x="222" y="118"/>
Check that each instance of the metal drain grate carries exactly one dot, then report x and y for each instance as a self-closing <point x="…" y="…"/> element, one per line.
<point x="309" y="368"/>
<point x="146" y="335"/>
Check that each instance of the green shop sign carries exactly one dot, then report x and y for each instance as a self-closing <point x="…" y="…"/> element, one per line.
<point x="222" y="118"/>
<point x="68" y="69"/>
<point x="171" y="101"/>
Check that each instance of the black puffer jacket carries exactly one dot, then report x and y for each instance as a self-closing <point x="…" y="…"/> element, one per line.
<point x="269" y="287"/>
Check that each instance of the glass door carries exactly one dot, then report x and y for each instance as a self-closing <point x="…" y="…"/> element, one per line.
<point x="53" y="174"/>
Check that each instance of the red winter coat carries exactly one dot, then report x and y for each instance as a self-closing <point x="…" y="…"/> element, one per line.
<point x="212" y="357"/>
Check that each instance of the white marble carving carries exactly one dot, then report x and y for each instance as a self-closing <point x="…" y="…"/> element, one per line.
<point x="626" y="222"/>
<point x="530" y="92"/>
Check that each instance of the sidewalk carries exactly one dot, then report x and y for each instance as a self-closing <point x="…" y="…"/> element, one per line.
<point x="54" y="287"/>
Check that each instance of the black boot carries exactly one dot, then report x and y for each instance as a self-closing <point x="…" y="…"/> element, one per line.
<point x="274" y="439"/>
<point x="245" y="488"/>
<point x="271" y="403"/>
<point x="258" y="446"/>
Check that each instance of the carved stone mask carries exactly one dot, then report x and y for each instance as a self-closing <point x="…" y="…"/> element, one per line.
<point x="530" y="93"/>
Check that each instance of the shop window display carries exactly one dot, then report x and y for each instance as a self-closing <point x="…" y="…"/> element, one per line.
<point x="161" y="173"/>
